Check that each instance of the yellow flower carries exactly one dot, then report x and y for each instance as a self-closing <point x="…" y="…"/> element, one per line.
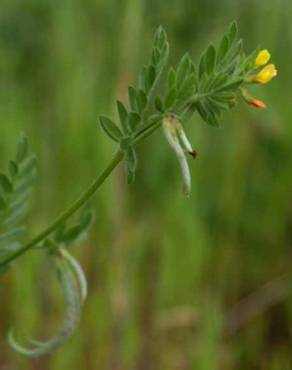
<point x="266" y="74"/>
<point x="262" y="58"/>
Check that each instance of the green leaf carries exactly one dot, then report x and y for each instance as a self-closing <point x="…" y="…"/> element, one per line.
<point x="22" y="148"/>
<point x="249" y="61"/>
<point x="12" y="168"/>
<point x="17" y="215"/>
<point x="210" y="59"/>
<point x="212" y="120"/>
<point x="218" y="81"/>
<point x="187" y="87"/>
<point x="232" y="32"/>
<point x="3" y="204"/>
<point x="171" y="79"/>
<point x="131" y="164"/>
<point x="221" y="106"/>
<point x="159" y="104"/>
<point x="27" y="166"/>
<point x="170" y="98"/>
<point x="155" y="58"/>
<point x="71" y="234"/>
<point x="5" y="184"/>
<point x="8" y="249"/>
<point x="141" y="101"/>
<point x="132" y="93"/>
<point x="232" y="85"/>
<point x="58" y="235"/>
<point x="212" y="106"/>
<point x="76" y="232"/>
<point x="86" y="218"/>
<point x="231" y="57"/>
<point x="207" y="82"/>
<point x="224" y="97"/>
<point x="134" y="120"/>
<point x="123" y="115"/>
<point x="207" y="115"/>
<point x="202" y="111"/>
<point x="25" y="182"/>
<point x="202" y="65"/>
<point x="155" y="118"/>
<point x="12" y="235"/>
<point x="143" y="77"/>
<point x="110" y="128"/>
<point x="223" y="49"/>
<point x="164" y="57"/>
<point x="183" y="69"/>
<point x="14" y="200"/>
<point x="160" y="38"/>
<point x="157" y="36"/>
<point x="151" y="76"/>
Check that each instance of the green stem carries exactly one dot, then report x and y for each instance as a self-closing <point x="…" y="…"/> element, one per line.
<point x="145" y="132"/>
<point x="71" y="210"/>
<point x="81" y="200"/>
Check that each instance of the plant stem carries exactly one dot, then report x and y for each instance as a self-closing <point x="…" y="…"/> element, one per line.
<point x="81" y="200"/>
<point x="71" y="210"/>
<point x="144" y="133"/>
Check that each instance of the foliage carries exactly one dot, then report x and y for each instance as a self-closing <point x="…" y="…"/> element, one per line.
<point x="210" y="89"/>
<point x="15" y="193"/>
<point x="132" y="120"/>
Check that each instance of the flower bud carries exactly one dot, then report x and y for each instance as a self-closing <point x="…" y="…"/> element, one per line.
<point x="252" y="101"/>
<point x="262" y="58"/>
<point x="258" y="103"/>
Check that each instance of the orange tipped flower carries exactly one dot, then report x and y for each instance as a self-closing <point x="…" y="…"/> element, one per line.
<point x="252" y="101"/>
<point x="257" y="103"/>
<point x="266" y="74"/>
<point x="262" y="58"/>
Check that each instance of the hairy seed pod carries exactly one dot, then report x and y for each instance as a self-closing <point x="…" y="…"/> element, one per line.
<point x="78" y="272"/>
<point x="72" y="313"/>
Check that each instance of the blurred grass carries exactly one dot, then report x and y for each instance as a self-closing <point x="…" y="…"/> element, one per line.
<point x="163" y="271"/>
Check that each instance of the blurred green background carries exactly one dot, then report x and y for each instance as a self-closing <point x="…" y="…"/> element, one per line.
<point x="198" y="283"/>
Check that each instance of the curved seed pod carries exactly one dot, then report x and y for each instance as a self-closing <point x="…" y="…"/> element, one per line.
<point x="77" y="270"/>
<point x="72" y="304"/>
